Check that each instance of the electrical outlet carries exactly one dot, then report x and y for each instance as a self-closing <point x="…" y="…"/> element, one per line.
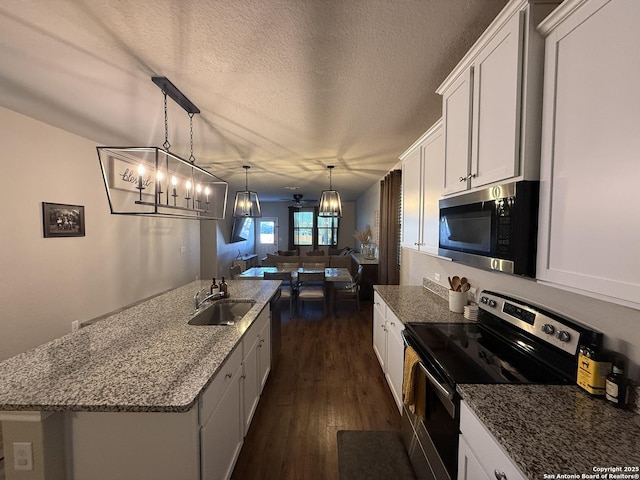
<point x="22" y="456"/>
<point x="183" y="249"/>
<point x="437" y="276"/>
<point x="75" y="326"/>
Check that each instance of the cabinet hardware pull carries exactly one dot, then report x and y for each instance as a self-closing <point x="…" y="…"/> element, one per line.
<point x="462" y="179"/>
<point x="500" y="475"/>
<point x="471" y="175"/>
<point x="228" y="375"/>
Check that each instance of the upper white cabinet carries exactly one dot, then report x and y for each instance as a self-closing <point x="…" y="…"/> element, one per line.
<point x="589" y="225"/>
<point x="422" y="174"/>
<point x="491" y="102"/>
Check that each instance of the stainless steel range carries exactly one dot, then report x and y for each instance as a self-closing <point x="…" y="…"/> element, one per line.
<point x="513" y="342"/>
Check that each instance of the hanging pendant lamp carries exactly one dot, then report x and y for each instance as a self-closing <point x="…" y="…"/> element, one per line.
<point x="330" y="204"/>
<point x="247" y="203"/>
<point x="152" y="181"/>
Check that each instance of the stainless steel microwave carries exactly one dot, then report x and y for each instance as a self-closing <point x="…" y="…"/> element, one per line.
<point x="494" y="228"/>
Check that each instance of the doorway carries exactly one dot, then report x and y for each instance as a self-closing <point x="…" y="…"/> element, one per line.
<point x="266" y="236"/>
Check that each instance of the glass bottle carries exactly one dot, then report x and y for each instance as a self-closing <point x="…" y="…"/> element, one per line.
<point x="224" y="288"/>
<point x="214" y="289"/>
<point x="617" y="385"/>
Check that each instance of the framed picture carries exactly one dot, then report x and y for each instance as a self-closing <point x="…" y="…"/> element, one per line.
<point x="60" y="220"/>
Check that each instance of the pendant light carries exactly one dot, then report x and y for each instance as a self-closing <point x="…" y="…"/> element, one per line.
<point x="330" y="204"/>
<point x="152" y="181"/>
<point x="247" y="203"/>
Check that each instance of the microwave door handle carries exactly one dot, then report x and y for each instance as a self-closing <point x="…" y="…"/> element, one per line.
<point x="434" y="381"/>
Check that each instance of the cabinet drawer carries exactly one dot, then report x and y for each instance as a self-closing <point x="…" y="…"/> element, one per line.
<point x="393" y="323"/>
<point x="485" y="448"/>
<point x="379" y="305"/>
<point x="214" y="392"/>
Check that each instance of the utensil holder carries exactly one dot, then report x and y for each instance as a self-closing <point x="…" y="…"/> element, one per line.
<point x="457" y="301"/>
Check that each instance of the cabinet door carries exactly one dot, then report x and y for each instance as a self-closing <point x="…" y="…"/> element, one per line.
<point x="221" y="437"/>
<point x="456" y="114"/>
<point x="250" y="381"/>
<point x="395" y="358"/>
<point x="468" y="466"/>
<point x="432" y="178"/>
<point x="496" y="106"/>
<point x="379" y="330"/>
<point x="486" y="451"/>
<point x="264" y="353"/>
<point x="411" y="199"/>
<point x="589" y="223"/>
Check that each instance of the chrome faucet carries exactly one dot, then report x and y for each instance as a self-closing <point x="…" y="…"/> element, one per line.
<point x="196" y="298"/>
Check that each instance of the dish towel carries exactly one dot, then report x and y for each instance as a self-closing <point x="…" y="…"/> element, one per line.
<point x="411" y="360"/>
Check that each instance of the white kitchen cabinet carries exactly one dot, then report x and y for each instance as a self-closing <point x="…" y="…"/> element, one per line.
<point x="395" y="357"/>
<point x="423" y="170"/>
<point x="491" y="102"/>
<point x="250" y="381"/>
<point x="256" y="364"/>
<point x="589" y="223"/>
<point x="379" y="329"/>
<point x="221" y="435"/>
<point x="264" y="353"/>
<point x="388" y="346"/>
<point x="480" y="456"/>
<point x="456" y="115"/>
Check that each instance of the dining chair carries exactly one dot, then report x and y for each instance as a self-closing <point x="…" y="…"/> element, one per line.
<point x="288" y="266"/>
<point x="348" y="291"/>
<point x="287" y="289"/>
<point x="313" y="265"/>
<point x="311" y="288"/>
<point x="234" y="271"/>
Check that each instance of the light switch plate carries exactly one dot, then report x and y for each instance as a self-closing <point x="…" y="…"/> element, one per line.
<point x="22" y="456"/>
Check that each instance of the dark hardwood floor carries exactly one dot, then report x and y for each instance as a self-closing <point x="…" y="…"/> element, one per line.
<point x="327" y="379"/>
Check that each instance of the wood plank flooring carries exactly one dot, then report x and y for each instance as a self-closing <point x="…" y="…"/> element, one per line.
<point x="327" y="379"/>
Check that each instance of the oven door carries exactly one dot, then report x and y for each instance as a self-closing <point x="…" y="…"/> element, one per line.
<point x="432" y="439"/>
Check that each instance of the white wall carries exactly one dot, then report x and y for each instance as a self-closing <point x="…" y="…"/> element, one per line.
<point x="46" y="283"/>
<point x="621" y="325"/>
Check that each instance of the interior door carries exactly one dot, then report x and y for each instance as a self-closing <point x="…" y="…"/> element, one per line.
<point x="266" y="236"/>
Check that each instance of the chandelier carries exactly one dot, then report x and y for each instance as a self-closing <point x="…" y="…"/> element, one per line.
<point x="247" y="203"/>
<point x="152" y="181"/>
<point x="330" y="204"/>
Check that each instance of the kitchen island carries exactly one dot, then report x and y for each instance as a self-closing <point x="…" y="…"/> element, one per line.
<point x="143" y="368"/>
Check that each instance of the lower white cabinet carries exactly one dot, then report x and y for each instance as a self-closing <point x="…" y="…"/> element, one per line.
<point x="221" y="434"/>
<point x="480" y="456"/>
<point x="256" y="364"/>
<point x="388" y="346"/>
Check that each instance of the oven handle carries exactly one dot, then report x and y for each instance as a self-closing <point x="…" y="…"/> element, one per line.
<point x="432" y="379"/>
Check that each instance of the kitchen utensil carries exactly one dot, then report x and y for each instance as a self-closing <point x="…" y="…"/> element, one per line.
<point x="450" y="282"/>
<point x="465" y="287"/>
<point x="455" y="283"/>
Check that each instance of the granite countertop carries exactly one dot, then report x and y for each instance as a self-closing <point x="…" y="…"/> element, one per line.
<point x="557" y="429"/>
<point x="414" y="303"/>
<point x="145" y="358"/>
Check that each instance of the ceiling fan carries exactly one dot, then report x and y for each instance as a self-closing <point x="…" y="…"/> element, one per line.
<point x="299" y="202"/>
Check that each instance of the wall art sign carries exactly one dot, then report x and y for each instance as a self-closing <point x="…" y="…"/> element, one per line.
<point x="61" y="220"/>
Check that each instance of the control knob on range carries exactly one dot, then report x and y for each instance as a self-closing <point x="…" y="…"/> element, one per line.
<point x="493" y="303"/>
<point x="563" y="336"/>
<point x="548" y="329"/>
<point x="484" y="300"/>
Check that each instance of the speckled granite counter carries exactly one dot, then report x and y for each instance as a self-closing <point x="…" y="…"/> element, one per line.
<point x="143" y="359"/>
<point x="413" y="303"/>
<point x="556" y="429"/>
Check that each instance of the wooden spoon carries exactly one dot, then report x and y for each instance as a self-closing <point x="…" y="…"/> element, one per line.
<point x="450" y="282"/>
<point x="455" y="283"/>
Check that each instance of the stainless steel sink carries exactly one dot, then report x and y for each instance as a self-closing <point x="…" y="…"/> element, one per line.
<point x="222" y="312"/>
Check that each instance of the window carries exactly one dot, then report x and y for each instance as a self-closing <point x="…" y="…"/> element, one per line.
<point x="267" y="232"/>
<point x="328" y="231"/>
<point x="306" y="228"/>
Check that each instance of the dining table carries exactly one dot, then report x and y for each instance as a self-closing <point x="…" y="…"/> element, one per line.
<point x="331" y="274"/>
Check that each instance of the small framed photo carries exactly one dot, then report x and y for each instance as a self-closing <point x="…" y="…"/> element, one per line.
<point x="60" y="220"/>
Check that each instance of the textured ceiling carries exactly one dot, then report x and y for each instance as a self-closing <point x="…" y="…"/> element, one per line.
<point x="285" y="86"/>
